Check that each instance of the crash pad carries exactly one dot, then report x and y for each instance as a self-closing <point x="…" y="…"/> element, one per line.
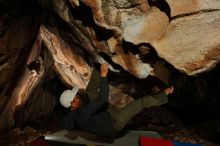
<point x="130" y="138"/>
<point x="43" y="142"/>
<point x="149" y="141"/>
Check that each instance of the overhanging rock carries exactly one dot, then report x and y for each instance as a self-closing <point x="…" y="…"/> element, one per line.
<point x="192" y="43"/>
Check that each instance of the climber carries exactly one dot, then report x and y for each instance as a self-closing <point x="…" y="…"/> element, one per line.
<point x="95" y="117"/>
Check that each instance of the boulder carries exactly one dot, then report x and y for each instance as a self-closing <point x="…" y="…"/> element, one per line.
<point x="191" y="44"/>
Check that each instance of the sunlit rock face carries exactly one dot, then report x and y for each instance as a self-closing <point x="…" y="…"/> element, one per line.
<point x="145" y="28"/>
<point x="191" y="43"/>
<point x="48" y="46"/>
<point x="71" y="67"/>
<point x="192" y="6"/>
<point x="191" y="21"/>
<point x="122" y="11"/>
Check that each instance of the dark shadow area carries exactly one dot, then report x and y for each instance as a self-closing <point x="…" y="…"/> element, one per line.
<point x="196" y="102"/>
<point x="35" y="65"/>
<point x="85" y="15"/>
<point x="109" y="60"/>
<point x="162" y="5"/>
<point x="134" y="86"/>
<point x="130" y="47"/>
<point x="146" y="52"/>
<point x="16" y="15"/>
<point x="150" y="57"/>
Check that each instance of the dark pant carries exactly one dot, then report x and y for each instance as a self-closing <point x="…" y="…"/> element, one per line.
<point x="122" y="116"/>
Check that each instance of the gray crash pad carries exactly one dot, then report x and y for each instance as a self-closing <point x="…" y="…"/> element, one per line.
<point x="129" y="138"/>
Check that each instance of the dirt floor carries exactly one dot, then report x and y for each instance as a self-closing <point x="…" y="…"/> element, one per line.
<point x="163" y="121"/>
<point x="157" y="119"/>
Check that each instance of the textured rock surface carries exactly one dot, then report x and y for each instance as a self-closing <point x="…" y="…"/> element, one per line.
<point x="145" y="28"/>
<point x="120" y="10"/>
<point x="191" y="43"/>
<point x="17" y="80"/>
<point x="71" y="67"/>
<point x="192" y="6"/>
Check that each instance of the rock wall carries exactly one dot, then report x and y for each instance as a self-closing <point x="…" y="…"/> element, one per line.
<point x="151" y="40"/>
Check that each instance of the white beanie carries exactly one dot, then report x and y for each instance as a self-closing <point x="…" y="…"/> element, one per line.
<point x="67" y="96"/>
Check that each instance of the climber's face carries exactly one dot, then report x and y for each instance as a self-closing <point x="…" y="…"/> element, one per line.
<point x="76" y="103"/>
